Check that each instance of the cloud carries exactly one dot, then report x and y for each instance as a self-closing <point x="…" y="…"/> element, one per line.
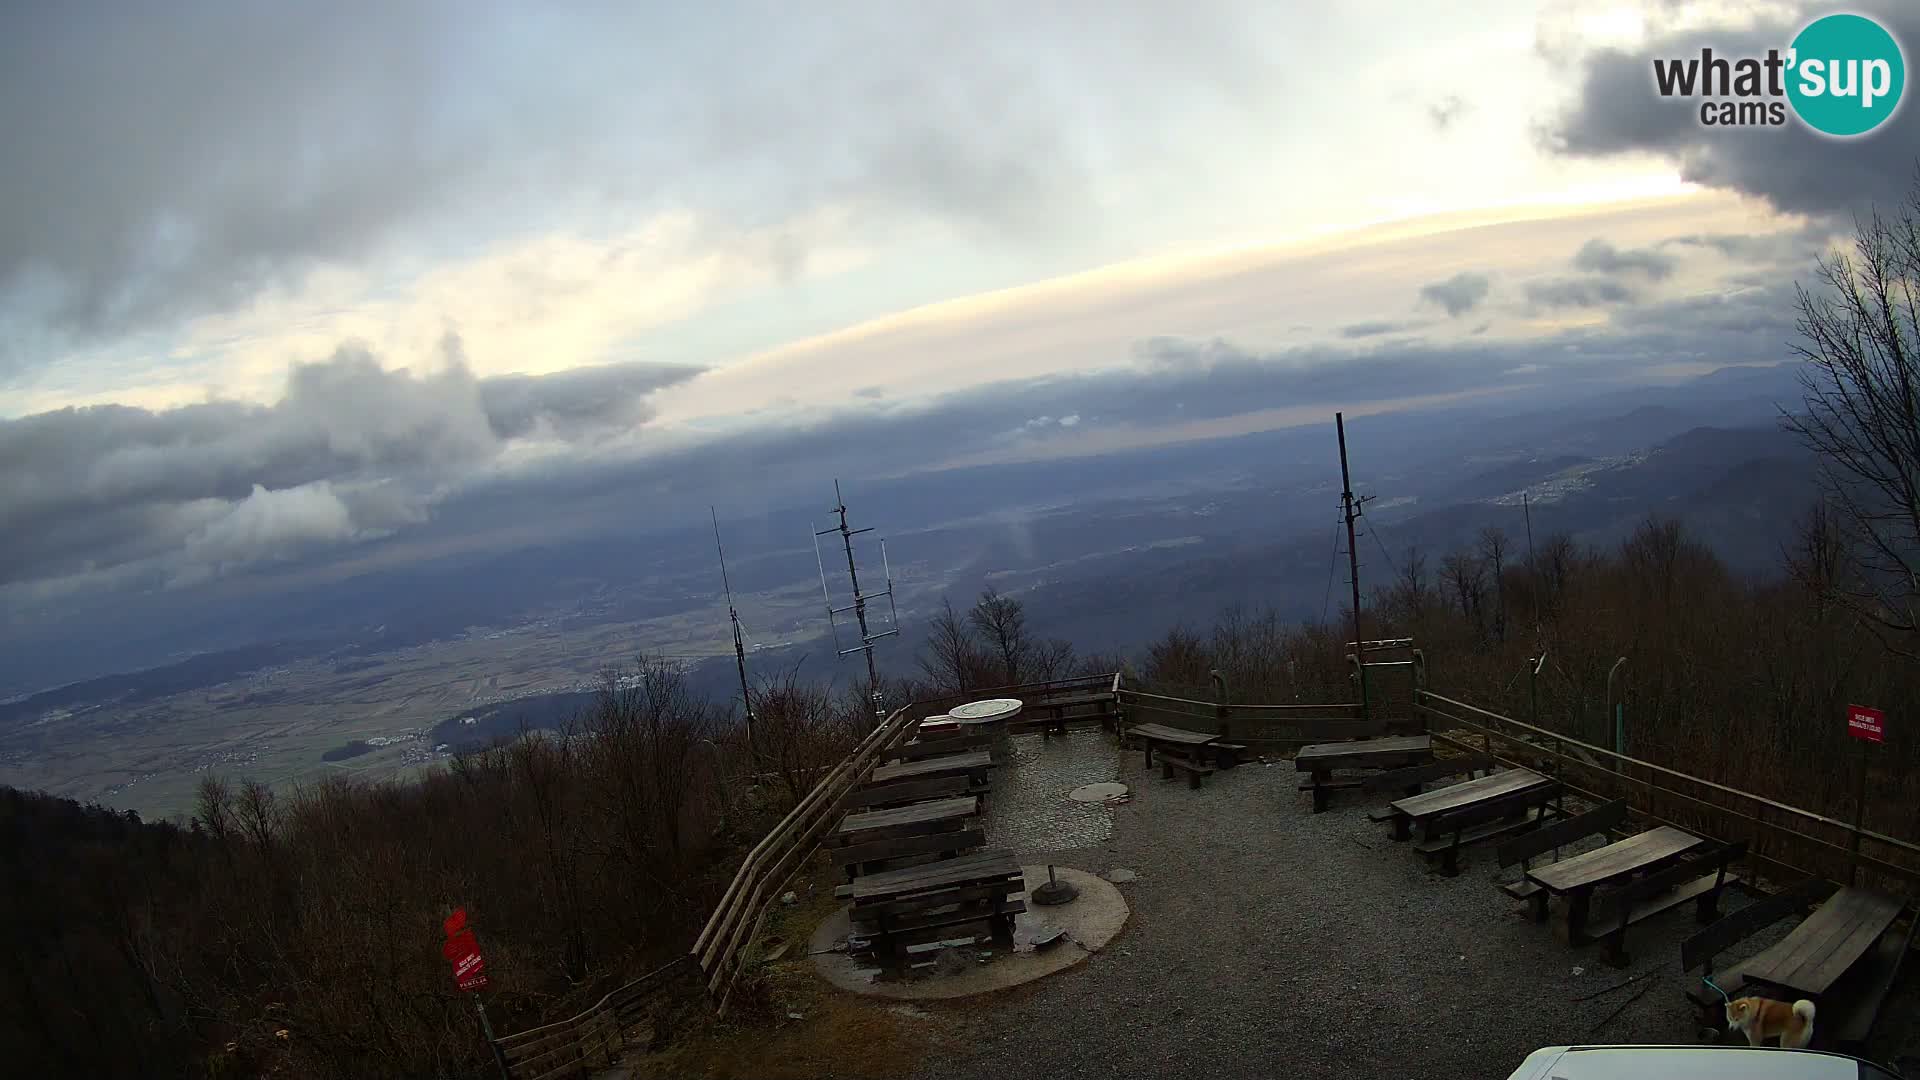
<point x="1442" y="114"/>
<point x="1375" y="328"/>
<point x="1577" y="292"/>
<point x="198" y="157"/>
<point x="1616" y="112"/>
<point x="350" y="451"/>
<point x="1458" y="294"/>
<point x="1600" y="257"/>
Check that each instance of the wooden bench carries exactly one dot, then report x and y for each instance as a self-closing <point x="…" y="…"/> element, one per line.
<point x="1410" y="780"/>
<point x="874" y="855"/>
<point x="1485" y="819"/>
<point x="1526" y="847"/>
<point x="1171" y="760"/>
<point x="877" y="834"/>
<point x="1321" y="759"/>
<point x="1053" y="714"/>
<point x="1665" y="889"/>
<point x="1853" y="1005"/>
<point x="1152" y="736"/>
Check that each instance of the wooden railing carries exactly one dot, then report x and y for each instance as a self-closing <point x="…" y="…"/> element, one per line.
<point x="1797" y="840"/>
<point x="1263" y="727"/>
<point x="736" y="919"/>
<point x="595" y="1037"/>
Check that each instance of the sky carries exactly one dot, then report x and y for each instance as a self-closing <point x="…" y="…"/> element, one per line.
<point x="277" y="281"/>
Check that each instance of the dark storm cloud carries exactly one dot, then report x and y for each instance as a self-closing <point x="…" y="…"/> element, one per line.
<point x="350" y="451"/>
<point x="1458" y="294"/>
<point x="1577" y="292"/>
<point x="1598" y="256"/>
<point x="1616" y="111"/>
<point x="167" y="160"/>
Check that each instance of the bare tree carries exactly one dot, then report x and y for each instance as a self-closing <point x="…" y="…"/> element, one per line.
<point x="1466" y="576"/>
<point x="1493" y="548"/>
<point x="1001" y="622"/>
<point x="952" y="657"/>
<point x="1861" y="333"/>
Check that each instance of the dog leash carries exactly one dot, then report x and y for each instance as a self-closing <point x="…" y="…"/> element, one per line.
<point x="1716" y="988"/>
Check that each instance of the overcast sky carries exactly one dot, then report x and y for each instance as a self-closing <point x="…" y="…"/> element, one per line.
<point x="281" y="278"/>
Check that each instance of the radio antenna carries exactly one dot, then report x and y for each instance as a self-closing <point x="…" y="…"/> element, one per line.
<point x="859" y="605"/>
<point x="733" y="616"/>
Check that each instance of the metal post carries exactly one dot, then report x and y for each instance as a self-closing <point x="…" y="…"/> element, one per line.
<point x="1353" y="560"/>
<point x="486" y="1029"/>
<point x="1619" y="718"/>
<point x="1859" y="820"/>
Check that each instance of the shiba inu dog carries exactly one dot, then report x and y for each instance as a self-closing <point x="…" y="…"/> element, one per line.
<point x="1760" y="1019"/>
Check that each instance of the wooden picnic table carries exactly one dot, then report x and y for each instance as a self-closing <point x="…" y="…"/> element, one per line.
<point x="1809" y="960"/>
<point x="1577" y="877"/>
<point x="925" y="817"/>
<point x="973" y="761"/>
<point x="1418" y="810"/>
<point x="1320" y="759"/>
<point x="895" y="910"/>
<point x="1364" y="753"/>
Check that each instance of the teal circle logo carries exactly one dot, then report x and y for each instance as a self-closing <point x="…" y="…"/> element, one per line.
<point x="1846" y="75"/>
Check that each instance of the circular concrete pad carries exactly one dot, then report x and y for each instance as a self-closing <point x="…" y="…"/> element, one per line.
<point x="1090" y="921"/>
<point x="1100" y="792"/>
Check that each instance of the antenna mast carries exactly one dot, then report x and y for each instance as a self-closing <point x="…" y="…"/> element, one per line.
<point x="859" y="605"/>
<point x="1350" y="508"/>
<point x="733" y="616"/>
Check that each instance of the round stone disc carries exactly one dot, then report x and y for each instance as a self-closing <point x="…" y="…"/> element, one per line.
<point x="990" y="709"/>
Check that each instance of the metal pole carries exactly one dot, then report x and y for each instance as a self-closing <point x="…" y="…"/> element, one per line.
<point x="1619" y="720"/>
<point x="739" y="644"/>
<point x="486" y="1029"/>
<point x="1859" y="820"/>
<point x="1353" y="561"/>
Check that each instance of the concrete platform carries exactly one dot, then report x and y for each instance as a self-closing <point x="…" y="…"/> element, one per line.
<point x="1090" y="921"/>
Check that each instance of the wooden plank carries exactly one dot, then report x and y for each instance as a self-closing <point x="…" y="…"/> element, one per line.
<point x="934" y="787"/>
<point x="912" y="813"/>
<point x="899" y="847"/>
<point x="965" y="913"/>
<point x="1448" y="847"/>
<point x="1871" y="921"/>
<point x="1827" y="943"/>
<point x="1373" y="753"/>
<point x="1866" y="990"/>
<point x="1616" y="860"/>
<point x="927" y="748"/>
<point x="1561" y="833"/>
<point x="1415" y="775"/>
<point x="876" y="909"/>
<point x="1459" y="796"/>
<point x="1163" y="733"/>
<point x="1700" y="949"/>
<point x="1663" y="890"/>
<point x="979" y="866"/>
<point x="913" y="770"/>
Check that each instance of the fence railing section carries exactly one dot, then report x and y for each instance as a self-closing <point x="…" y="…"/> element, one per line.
<point x="1797" y="840"/>
<point x="1263" y="727"/>
<point x="736" y="919"/>
<point x="593" y="1038"/>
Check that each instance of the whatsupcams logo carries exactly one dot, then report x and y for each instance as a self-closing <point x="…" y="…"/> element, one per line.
<point x="1843" y="75"/>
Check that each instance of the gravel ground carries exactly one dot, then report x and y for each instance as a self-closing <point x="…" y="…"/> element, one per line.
<point x="1266" y="941"/>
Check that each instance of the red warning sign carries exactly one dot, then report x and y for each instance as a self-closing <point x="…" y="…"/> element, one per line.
<point x="462" y="950"/>
<point x="1865" y="723"/>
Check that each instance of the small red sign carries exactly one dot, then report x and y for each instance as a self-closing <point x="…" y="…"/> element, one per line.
<point x="462" y="950"/>
<point x="1865" y="723"/>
